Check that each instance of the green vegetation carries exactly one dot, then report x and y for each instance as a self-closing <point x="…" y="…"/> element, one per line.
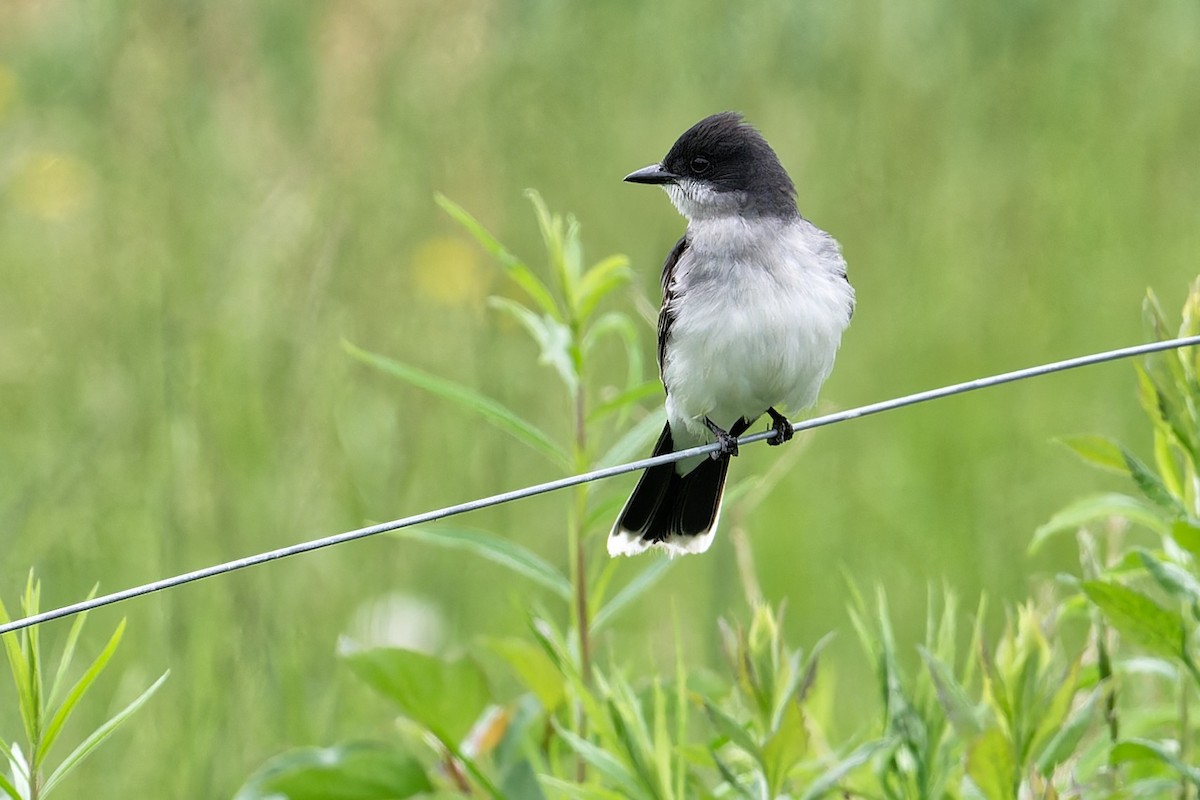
<point x="199" y="203"/>
<point x="1038" y="712"/>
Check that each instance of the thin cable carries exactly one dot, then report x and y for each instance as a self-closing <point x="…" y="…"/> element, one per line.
<point x="595" y="475"/>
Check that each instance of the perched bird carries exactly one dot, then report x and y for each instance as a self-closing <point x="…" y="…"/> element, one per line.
<point x="755" y="300"/>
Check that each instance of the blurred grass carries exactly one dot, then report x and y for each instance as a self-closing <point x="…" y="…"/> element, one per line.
<point x="197" y="203"/>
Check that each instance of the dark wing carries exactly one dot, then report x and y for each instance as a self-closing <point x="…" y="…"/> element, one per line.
<point x="666" y="314"/>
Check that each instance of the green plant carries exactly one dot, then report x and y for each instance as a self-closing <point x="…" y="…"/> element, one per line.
<point x="45" y="708"/>
<point x="1052" y="707"/>
<point x="1140" y="574"/>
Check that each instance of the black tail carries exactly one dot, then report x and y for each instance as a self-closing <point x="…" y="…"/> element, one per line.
<point x="677" y="512"/>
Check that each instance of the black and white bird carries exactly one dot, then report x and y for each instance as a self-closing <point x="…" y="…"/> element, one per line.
<point x="755" y="300"/>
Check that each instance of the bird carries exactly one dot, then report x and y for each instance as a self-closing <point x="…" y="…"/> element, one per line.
<point x="755" y="299"/>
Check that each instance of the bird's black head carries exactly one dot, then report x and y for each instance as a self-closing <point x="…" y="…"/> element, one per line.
<point x="722" y="165"/>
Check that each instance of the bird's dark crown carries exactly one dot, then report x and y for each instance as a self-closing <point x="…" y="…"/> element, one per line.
<point x="729" y="155"/>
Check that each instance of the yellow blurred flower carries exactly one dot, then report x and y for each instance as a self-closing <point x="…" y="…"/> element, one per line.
<point x="448" y="271"/>
<point x="52" y="185"/>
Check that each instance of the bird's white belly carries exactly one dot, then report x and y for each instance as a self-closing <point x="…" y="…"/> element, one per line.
<point x="750" y="341"/>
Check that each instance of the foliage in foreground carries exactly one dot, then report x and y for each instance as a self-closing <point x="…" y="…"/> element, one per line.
<point x="46" y="707"/>
<point x="1085" y="691"/>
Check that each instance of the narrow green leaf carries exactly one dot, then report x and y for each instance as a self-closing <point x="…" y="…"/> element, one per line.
<point x="534" y="668"/>
<point x="493" y="412"/>
<point x="98" y="736"/>
<point x="354" y="771"/>
<point x="1063" y="743"/>
<point x="551" y="336"/>
<point x="571" y="790"/>
<point x="605" y="762"/>
<point x="1100" y="507"/>
<point x="1146" y="749"/>
<point x="68" y="654"/>
<point x="19" y="667"/>
<point x="732" y="730"/>
<point x="730" y="778"/>
<point x="9" y="789"/>
<point x="1138" y="618"/>
<point x="631" y="591"/>
<point x="50" y="734"/>
<point x="625" y="399"/>
<point x="636" y="441"/>
<point x="953" y="698"/>
<point x="1099" y="451"/>
<point x="443" y="696"/>
<point x="1152" y="487"/>
<point x="830" y="778"/>
<point x="992" y="765"/>
<point x="1187" y="535"/>
<point x="487" y="545"/>
<point x="599" y="282"/>
<point x="1176" y="580"/>
<point x="1051" y="714"/>
<point x="516" y="270"/>
<point x="785" y="748"/>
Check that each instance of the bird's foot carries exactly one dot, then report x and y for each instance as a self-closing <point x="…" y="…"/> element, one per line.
<point x="782" y="426"/>
<point x="727" y="441"/>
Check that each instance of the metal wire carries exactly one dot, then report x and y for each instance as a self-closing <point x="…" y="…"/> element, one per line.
<point x="595" y="475"/>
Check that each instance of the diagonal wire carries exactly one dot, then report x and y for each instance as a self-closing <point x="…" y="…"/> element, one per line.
<point x="595" y="475"/>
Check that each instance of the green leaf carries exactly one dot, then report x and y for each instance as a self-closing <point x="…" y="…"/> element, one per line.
<point x="1176" y="580"/>
<point x="571" y="790"/>
<point x="1146" y="749"/>
<point x="9" y="789"/>
<point x="68" y="654"/>
<point x="1065" y="740"/>
<point x="513" y="266"/>
<point x="732" y="730"/>
<point x="19" y="667"/>
<point x="624" y="400"/>
<point x="636" y="441"/>
<point x="953" y="698"/>
<point x="1050" y="714"/>
<point x="54" y="727"/>
<point x="600" y="281"/>
<point x="631" y="591"/>
<point x="1138" y="618"/>
<point x="1152" y="487"/>
<point x="493" y="412"/>
<point x="551" y="336"/>
<point x="98" y="736"/>
<point x="992" y="765"/>
<point x="1187" y="535"/>
<point x="1100" y="506"/>
<point x="604" y="762"/>
<point x="443" y="696"/>
<point x="498" y="550"/>
<point x="829" y="779"/>
<point x="785" y="748"/>
<point x="535" y="669"/>
<point x="1099" y="451"/>
<point x="354" y="771"/>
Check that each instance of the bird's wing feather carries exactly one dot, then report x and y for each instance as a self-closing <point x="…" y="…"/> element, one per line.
<point x="666" y="314"/>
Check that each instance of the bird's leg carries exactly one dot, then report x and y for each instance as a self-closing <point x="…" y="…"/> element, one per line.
<point x="783" y="428"/>
<point x="727" y="441"/>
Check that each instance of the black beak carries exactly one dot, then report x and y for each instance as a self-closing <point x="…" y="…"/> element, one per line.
<point x="652" y="174"/>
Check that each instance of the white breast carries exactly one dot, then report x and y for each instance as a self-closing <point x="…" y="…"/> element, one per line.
<point x="759" y="309"/>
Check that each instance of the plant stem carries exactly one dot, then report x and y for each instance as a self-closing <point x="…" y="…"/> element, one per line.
<point x="577" y="517"/>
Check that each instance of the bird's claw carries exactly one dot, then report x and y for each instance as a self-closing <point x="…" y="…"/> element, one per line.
<point x="782" y="427"/>
<point x="727" y="443"/>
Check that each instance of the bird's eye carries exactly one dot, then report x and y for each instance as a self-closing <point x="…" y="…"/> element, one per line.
<point x="699" y="165"/>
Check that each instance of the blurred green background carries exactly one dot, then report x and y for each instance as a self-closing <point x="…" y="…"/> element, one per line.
<point x="199" y="201"/>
